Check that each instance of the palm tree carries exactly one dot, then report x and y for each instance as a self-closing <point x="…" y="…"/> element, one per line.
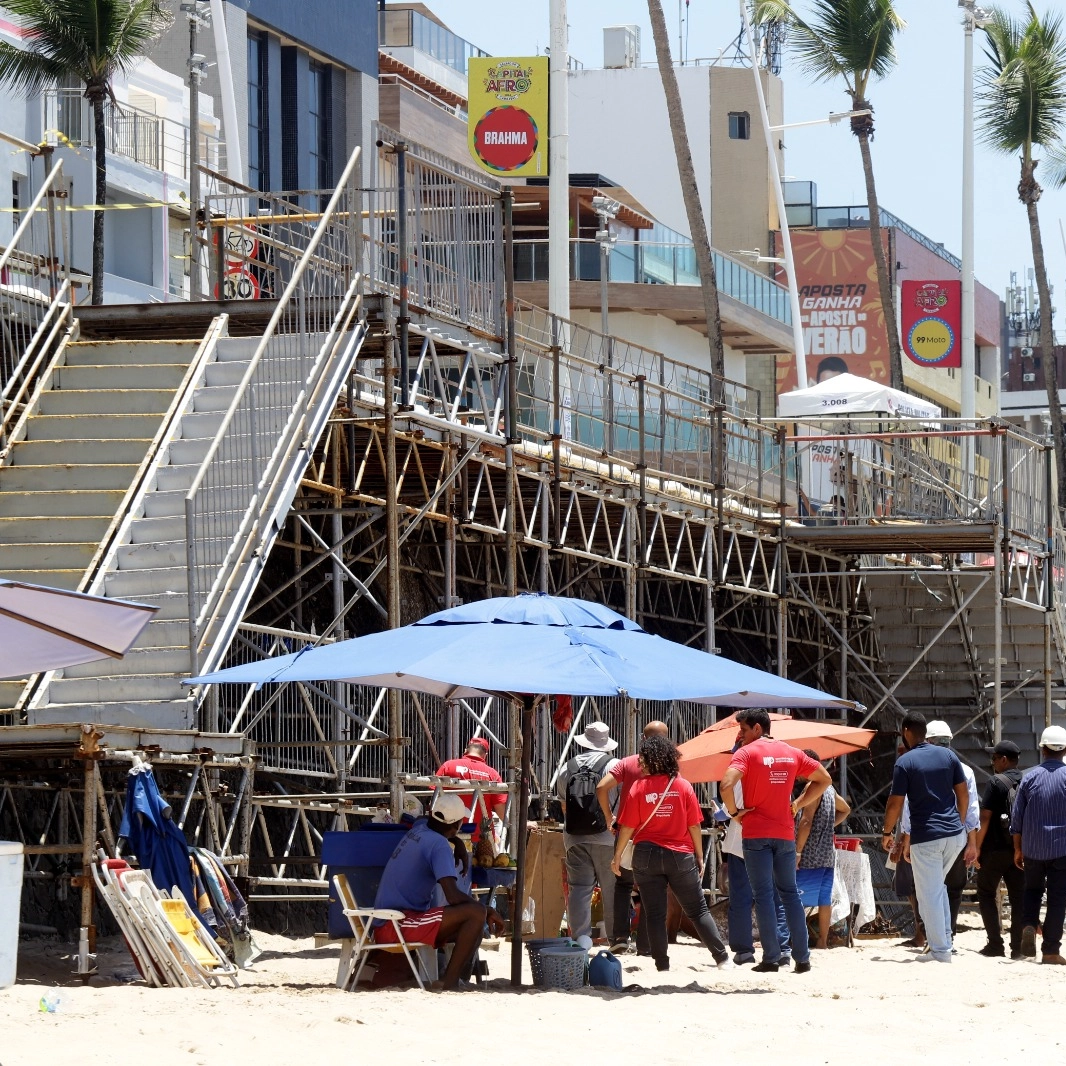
<point x="91" y="40"/>
<point x="689" y="188"/>
<point x="853" y="40"/>
<point x="1022" y="101"/>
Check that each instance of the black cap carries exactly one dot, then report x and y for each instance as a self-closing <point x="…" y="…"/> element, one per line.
<point x="1005" y="747"/>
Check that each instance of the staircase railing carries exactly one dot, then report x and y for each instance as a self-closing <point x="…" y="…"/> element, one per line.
<point x="241" y="494"/>
<point x="35" y="301"/>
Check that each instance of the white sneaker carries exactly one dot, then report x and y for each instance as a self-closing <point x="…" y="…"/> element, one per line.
<point x="726" y="964"/>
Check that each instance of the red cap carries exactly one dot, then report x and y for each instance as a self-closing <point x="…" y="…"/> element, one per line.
<point x="479" y="742"/>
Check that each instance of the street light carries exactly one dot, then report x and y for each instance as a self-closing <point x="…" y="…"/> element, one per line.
<point x="606" y="209"/>
<point x="833" y="119"/>
<point x="973" y="16"/>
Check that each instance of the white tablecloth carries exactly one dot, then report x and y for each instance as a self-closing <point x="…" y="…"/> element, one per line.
<point x="853" y="885"/>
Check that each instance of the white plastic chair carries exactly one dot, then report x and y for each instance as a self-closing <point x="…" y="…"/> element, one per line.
<point x="356" y="950"/>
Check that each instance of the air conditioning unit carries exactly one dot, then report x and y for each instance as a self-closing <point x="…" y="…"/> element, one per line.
<point x="1026" y="352"/>
<point x="1028" y="377"/>
<point x="621" y="47"/>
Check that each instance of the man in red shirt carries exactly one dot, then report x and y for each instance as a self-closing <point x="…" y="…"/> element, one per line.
<point x="768" y="769"/>
<point x="624" y="773"/>
<point x="472" y="766"/>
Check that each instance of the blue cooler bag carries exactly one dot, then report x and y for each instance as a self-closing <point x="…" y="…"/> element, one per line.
<point x="605" y="971"/>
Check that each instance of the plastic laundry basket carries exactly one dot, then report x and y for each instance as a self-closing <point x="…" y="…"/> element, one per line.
<point x="535" y="947"/>
<point x="10" y="900"/>
<point x="563" y="967"/>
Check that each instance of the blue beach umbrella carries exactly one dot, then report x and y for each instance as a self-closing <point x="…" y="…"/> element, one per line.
<point x="523" y="648"/>
<point x="153" y="836"/>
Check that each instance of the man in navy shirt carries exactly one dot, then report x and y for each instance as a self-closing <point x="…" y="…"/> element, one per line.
<point x="1038" y="826"/>
<point x="421" y="861"/>
<point x="931" y="778"/>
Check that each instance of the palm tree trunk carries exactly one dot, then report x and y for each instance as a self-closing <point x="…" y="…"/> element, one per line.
<point x="1029" y="192"/>
<point x="689" y="188"/>
<point x="884" y="278"/>
<point x="100" y="137"/>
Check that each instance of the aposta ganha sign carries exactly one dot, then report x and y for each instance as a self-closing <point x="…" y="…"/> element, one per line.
<point x="840" y="307"/>
<point x="508" y="106"/>
<point x="931" y="317"/>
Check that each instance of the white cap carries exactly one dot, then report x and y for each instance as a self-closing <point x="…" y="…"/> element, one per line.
<point x="448" y="808"/>
<point x="1053" y="738"/>
<point x="937" y="729"/>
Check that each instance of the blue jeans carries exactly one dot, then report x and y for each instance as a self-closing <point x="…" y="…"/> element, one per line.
<point x="771" y="864"/>
<point x="930" y="862"/>
<point x="740" y="901"/>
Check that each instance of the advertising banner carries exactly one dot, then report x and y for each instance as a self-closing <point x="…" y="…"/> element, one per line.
<point x="840" y="307"/>
<point x="508" y="106"/>
<point x="931" y="321"/>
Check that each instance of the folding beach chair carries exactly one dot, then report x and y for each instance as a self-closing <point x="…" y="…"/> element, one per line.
<point x="195" y="948"/>
<point x="105" y="874"/>
<point x="356" y="950"/>
<point x="142" y="896"/>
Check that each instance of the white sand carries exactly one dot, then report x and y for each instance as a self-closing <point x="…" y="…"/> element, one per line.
<point x="865" y="1006"/>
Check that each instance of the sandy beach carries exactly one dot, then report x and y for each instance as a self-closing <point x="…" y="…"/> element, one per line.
<point x="871" y="1004"/>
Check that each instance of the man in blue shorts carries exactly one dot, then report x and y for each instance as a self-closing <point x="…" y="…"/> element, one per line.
<point x="421" y="861"/>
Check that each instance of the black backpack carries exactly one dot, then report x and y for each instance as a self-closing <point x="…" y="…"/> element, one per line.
<point x="1012" y="792"/>
<point x="584" y="816"/>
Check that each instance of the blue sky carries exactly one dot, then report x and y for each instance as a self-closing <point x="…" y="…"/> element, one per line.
<point x="917" y="149"/>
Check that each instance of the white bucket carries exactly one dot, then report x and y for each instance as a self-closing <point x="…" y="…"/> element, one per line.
<point x="10" y="900"/>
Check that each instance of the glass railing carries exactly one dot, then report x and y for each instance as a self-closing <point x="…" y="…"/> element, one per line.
<point x="648" y="263"/>
<point x="859" y="215"/>
<point x="410" y="29"/>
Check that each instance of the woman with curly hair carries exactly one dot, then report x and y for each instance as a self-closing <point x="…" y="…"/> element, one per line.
<point x="662" y="817"/>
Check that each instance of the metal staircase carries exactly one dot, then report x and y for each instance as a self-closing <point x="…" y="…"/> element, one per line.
<point x="157" y="470"/>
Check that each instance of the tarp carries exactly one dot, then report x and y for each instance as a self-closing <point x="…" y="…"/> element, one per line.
<point x="847" y="394"/>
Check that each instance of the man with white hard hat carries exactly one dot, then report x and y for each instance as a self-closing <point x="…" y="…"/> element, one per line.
<point x="1038" y="826"/>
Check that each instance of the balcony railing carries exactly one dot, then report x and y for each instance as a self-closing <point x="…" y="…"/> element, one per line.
<point x="152" y="140"/>
<point x="649" y="263"/>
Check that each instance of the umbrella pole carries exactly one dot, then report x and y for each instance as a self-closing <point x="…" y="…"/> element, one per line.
<point x="87" y="933"/>
<point x="529" y="704"/>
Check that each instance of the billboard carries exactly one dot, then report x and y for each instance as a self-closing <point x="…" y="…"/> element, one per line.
<point x="931" y="321"/>
<point x="840" y="307"/>
<point x="507" y="128"/>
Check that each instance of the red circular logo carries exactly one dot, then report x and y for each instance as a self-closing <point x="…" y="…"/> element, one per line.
<point x="505" y="138"/>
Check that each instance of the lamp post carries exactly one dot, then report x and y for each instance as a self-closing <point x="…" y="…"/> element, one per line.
<point x="973" y="16"/>
<point x="606" y="209"/>
<point x="197" y="70"/>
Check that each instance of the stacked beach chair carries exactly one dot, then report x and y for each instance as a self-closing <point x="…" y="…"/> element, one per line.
<point x="169" y="944"/>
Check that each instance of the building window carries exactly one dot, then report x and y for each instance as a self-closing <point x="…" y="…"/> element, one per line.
<point x="318" y="121"/>
<point x="739" y="125"/>
<point x="258" y="114"/>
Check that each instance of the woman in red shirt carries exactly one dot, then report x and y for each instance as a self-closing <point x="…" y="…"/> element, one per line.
<point x="662" y="816"/>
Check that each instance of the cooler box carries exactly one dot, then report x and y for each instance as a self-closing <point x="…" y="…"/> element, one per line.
<point x="10" y="901"/>
<point x="361" y="856"/>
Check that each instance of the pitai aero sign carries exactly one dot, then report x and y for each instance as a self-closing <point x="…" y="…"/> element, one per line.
<point x="508" y="107"/>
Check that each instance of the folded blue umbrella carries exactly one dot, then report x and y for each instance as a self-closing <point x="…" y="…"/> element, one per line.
<point x="152" y="835"/>
<point x="530" y="645"/>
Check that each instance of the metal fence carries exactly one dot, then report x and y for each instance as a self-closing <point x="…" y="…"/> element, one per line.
<point x="152" y="140"/>
<point x="230" y="508"/>
<point x="35" y="299"/>
<point x="448" y="238"/>
<point x="861" y="470"/>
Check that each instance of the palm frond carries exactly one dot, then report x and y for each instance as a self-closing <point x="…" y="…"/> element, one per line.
<point x="1054" y="166"/>
<point x="851" y="39"/>
<point x="1021" y="91"/>
<point x="28" y="73"/>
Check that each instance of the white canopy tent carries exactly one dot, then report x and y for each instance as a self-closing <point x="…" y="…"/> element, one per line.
<point x="846" y="394"/>
<point x="844" y="476"/>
